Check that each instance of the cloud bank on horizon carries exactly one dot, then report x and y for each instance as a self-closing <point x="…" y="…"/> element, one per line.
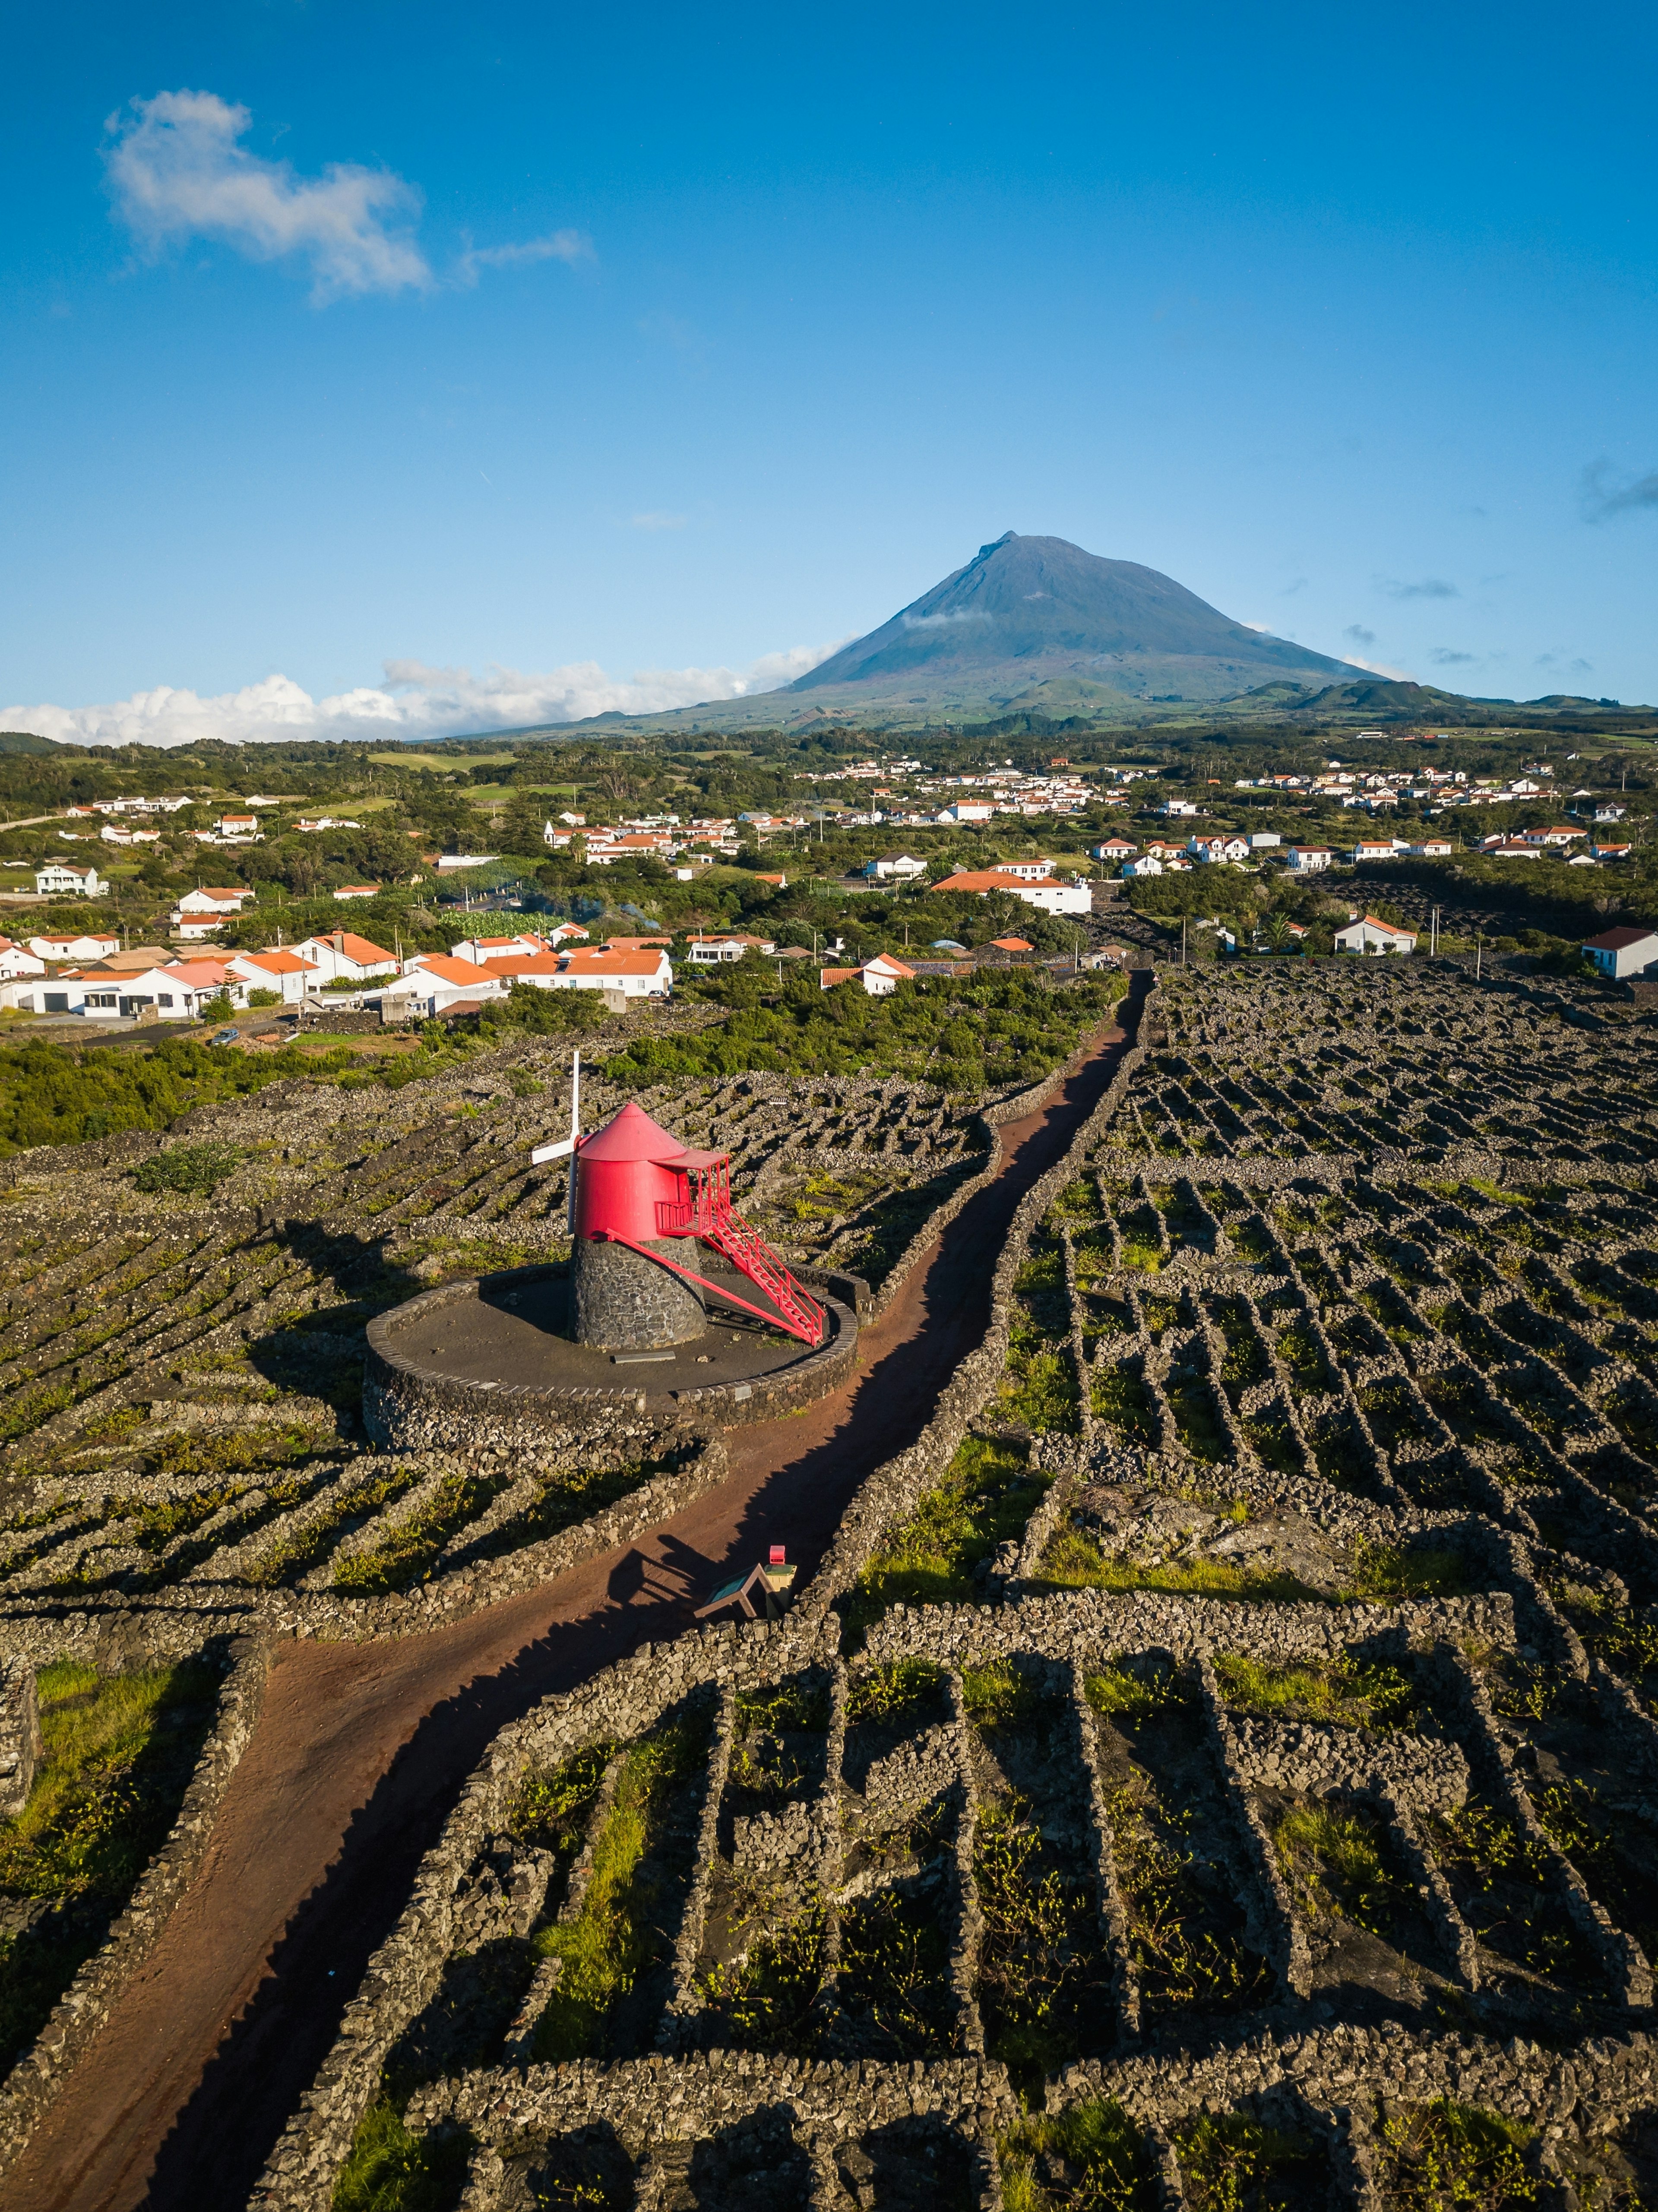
<point x="415" y="702"/>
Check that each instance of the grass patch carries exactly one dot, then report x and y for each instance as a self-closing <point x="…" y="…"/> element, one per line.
<point x="1434" y="2157"/>
<point x="987" y="1494"/>
<point x="118" y="1752"/>
<point x="1334" y="1860"/>
<point x="1349" y="1694"/>
<point x="1074" y="1561"/>
<point x="615" y="1936"/>
<point x="1391" y="1571"/>
<point x="391" y="2170"/>
<point x="1092" y="2157"/>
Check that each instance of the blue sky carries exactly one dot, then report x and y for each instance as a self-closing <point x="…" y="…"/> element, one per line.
<point x="461" y="366"/>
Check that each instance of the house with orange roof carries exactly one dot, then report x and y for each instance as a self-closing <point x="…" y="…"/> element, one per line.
<point x="357" y="891"/>
<point x="880" y="976"/>
<point x="478" y="950"/>
<point x="643" y="975"/>
<point x="278" y="969"/>
<point x="1365" y="933"/>
<point x="1044" y="891"/>
<point x="341" y="957"/>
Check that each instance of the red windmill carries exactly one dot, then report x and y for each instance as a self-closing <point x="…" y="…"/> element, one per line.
<point x="633" y="1184"/>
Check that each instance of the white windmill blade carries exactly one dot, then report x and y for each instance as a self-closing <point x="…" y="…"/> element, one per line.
<point x="566" y="1146"/>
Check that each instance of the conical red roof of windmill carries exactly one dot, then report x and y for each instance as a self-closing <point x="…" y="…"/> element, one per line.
<point x="632" y="1135"/>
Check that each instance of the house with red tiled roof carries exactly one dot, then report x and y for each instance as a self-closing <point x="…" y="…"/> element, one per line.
<point x="279" y="970"/>
<point x="1365" y="933"/>
<point x="1619" y="952"/>
<point x="343" y="958"/>
<point x="643" y="974"/>
<point x="880" y="976"/>
<point x="1043" y="891"/>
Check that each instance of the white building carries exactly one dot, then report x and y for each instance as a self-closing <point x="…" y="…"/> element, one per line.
<point x="68" y="879"/>
<point x="1367" y="934"/>
<point x="1619" y="952"/>
<point x="643" y="974"/>
<point x="281" y="971"/>
<point x="1308" y="860"/>
<point x="1052" y="896"/>
<point x="342" y="958"/>
<point x="85" y="945"/>
<point x="880" y="976"/>
<point x="1147" y="865"/>
<point x="214" y="898"/>
<point x="1261" y="840"/>
<point x="435" y="984"/>
<point x="902" y="867"/>
<point x="1220" y="849"/>
<point x="17" y="960"/>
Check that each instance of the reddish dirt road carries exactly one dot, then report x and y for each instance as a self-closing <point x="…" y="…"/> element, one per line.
<point x="362" y="1750"/>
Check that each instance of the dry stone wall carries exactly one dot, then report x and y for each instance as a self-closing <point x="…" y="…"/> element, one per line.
<point x="1312" y="1562"/>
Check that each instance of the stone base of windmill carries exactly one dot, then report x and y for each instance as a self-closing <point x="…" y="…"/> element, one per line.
<point x="500" y="1359"/>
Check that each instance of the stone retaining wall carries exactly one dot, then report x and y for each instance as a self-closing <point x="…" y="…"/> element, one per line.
<point x="80" y="2015"/>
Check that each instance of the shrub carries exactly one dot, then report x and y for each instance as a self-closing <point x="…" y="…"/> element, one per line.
<point x="193" y="1170"/>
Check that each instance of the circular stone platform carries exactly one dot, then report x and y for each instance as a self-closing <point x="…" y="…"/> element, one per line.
<point x="490" y="1359"/>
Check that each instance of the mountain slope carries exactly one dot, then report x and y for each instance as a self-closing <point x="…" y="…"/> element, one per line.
<point x="1027" y="610"/>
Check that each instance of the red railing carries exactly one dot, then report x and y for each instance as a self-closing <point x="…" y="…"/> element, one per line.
<point x="704" y="1210"/>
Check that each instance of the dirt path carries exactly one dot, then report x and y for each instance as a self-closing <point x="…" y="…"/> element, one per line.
<point x="362" y="1750"/>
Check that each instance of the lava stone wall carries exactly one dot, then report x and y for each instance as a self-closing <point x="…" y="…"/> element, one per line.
<point x="626" y="1303"/>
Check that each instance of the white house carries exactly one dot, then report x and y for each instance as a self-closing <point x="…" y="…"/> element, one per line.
<point x="114" y="833"/>
<point x="643" y="975"/>
<point x="238" y="825"/>
<point x="880" y="976"/>
<point x="478" y="950"/>
<point x="195" y="927"/>
<point x="68" y="879"/>
<point x="1376" y="849"/>
<point x="1308" y="860"/>
<point x="968" y="810"/>
<point x="1147" y="865"/>
<point x="215" y="898"/>
<point x="1367" y="934"/>
<point x="894" y="867"/>
<point x="356" y="892"/>
<point x="1172" y="807"/>
<point x="87" y="944"/>
<point x="1114" y="849"/>
<point x="445" y="861"/>
<point x="341" y="957"/>
<point x="1609" y="812"/>
<point x="1052" y="896"/>
<point x="1261" y="840"/>
<point x="1618" y="952"/>
<point x="279" y="970"/>
<point x="433" y="984"/>
<point x="1218" y="849"/>
<point x="1431" y="848"/>
<point x="18" y="960"/>
<point x="710" y="951"/>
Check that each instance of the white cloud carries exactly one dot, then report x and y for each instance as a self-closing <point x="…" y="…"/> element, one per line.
<point x="178" y="172"/>
<point x="557" y="245"/>
<point x="415" y="702"/>
<point x="1379" y="668"/>
<point x="658" y="520"/>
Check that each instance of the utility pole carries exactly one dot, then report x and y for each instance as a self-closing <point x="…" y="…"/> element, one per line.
<point x="1478" y="955"/>
<point x="1182" y="940"/>
<point x="1433" y="935"/>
